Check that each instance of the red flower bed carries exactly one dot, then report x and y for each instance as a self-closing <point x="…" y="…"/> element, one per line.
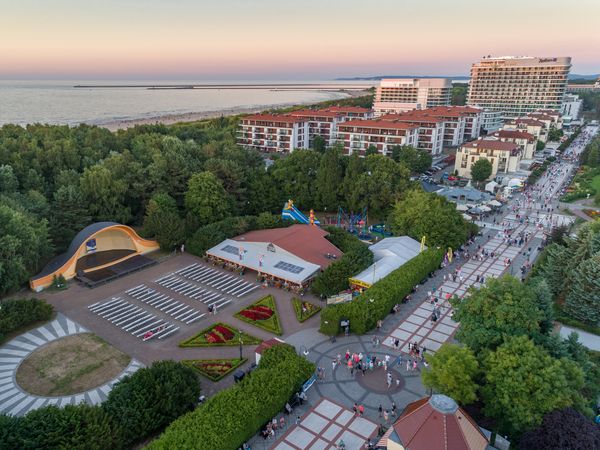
<point x="263" y="309"/>
<point x="225" y="332"/>
<point x="214" y="338"/>
<point x="253" y="313"/>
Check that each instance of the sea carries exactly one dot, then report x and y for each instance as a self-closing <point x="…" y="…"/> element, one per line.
<point x="72" y="102"/>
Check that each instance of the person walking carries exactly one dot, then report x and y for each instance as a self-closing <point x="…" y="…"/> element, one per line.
<point x="389" y="380"/>
<point x="380" y="409"/>
<point x="394" y="409"/>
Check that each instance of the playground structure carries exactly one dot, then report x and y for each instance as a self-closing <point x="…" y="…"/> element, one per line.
<point x="355" y="223"/>
<point x="290" y="212"/>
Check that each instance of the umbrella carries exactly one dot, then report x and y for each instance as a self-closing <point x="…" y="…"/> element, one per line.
<point x="494" y="203"/>
<point x="475" y="210"/>
<point x="485" y="208"/>
<point x="462" y="208"/>
<point x="467" y="217"/>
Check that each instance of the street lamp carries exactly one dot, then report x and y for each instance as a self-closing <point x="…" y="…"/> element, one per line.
<point x="241" y="342"/>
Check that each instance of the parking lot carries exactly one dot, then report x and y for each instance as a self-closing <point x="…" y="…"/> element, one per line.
<point x="147" y="313"/>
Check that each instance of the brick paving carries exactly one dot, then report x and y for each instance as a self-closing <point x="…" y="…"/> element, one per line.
<point x="324" y="426"/>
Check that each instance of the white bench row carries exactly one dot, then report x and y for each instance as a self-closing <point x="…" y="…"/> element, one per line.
<point x="162" y="302"/>
<point x="230" y="284"/>
<point x="206" y="296"/>
<point x="132" y="319"/>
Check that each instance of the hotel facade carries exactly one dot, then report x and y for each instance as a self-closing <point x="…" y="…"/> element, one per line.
<point x="396" y="95"/>
<point x="504" y="156"/>
<point x="518" y="85"/>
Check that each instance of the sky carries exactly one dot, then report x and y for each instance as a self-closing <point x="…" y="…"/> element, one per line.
<point x="285" y="39"/>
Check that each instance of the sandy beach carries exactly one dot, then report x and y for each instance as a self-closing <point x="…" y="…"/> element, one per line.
<point x="169" y="119"/>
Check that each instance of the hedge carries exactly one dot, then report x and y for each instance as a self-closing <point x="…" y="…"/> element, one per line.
<point x="232" y="416"/>
<point x="569" y="140"/>
<point x="377" y="301"/>
<point x="356" y="258"/>
<point x="138" y="406"/>
<point x="210" y="235"/>
<point x="20" y="313"/>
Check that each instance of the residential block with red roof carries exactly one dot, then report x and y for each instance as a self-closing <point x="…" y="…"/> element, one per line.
<point x="504" y="156"/>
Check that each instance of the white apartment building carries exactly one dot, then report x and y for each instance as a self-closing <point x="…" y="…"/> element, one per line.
<point x="504" y="156"/>
<point x="526" y="141"/>
<point x="273" y="133"/>
<point x="491" y="121"/>
<point x="518" y="85"/>
<point x="532" y="126"/>
<point x="358" y="135"/>
<point x="430" y="130"/>
<point x="396" y="95"/>
<point x="321" y="123"/>
<point x="572" y="107"/>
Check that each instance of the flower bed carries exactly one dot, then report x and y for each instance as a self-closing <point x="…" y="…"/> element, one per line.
<point x="263" y="314"/>
<point x="219" y="334"/>
<point x="214" y="369"/>
<point x="304" y="310"/>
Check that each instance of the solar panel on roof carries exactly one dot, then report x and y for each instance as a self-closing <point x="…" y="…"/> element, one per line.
<point x="231" y="249"/>
<point x="288" y="267"/>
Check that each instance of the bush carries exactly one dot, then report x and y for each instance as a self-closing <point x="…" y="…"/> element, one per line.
<point x="73" y="427"/>
<point x="20" y="313"/>
<point x="210" y="235"/>
<point x="234" y="415"/>
<point x="356" y="258"/>
<point x="151" y="398"/>
<point x="377" y="301"/>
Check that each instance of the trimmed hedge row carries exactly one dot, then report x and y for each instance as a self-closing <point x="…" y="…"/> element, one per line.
<point x="233" y="415"/>
<point x="377" y="301"/>
<point x="210" y="235"/>
<point x="356" y="258"/>
<point x="538" y="172"/>
<point x="19" y="313"/>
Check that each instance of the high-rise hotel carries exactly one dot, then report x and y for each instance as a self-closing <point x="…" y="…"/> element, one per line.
<point x="518" y="85"/>
<point x="396" y="95"/>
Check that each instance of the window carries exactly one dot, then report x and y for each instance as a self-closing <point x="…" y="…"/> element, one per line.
<point x="288" y="267"/>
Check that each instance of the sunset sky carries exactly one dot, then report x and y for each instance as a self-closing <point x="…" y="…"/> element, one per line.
<point x="284" y="39"/>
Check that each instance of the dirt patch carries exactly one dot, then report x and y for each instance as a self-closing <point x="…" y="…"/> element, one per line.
<point x="71" y="365"/>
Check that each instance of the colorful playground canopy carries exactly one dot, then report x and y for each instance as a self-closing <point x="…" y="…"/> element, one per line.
<point x="389" y="254"/>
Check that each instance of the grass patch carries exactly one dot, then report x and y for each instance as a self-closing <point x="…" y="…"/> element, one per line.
<point x="586" y="182"/>
<point x="304" y="310"/>
<point x="262" y="314"/>
<point x="71" y="365"/>
<point x="214" y="369"/>
<point x="219" y="335"/>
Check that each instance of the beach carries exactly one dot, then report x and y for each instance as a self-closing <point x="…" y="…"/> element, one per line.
<point x="169" y="119"/>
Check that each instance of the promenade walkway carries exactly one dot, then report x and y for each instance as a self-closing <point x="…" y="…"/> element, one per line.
<point x="14" y="400"/>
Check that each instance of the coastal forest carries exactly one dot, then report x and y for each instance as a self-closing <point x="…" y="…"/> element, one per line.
<point x="167" y="181"/>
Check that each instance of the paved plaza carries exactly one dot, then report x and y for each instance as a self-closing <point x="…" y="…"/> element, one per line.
<point x="324" y="426"/>
<point x="14" y="400"/>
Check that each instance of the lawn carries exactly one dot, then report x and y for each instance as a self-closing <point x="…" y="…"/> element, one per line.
<point x="262" y="314"/>
<point x="587" y="181"/>
<point x="214" y="369"/>
<point x="219" y="335"/>
<point x="304" y="310"/>
<point x="71" y="365"/>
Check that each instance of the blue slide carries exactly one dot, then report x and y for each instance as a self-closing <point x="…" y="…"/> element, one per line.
<point x="294" y="214"/>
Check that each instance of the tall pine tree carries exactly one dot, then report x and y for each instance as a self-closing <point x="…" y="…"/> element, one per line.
<point x="583" y="299"/>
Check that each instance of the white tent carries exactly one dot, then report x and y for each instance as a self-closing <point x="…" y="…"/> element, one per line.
<point x="491" y="186"/>
<point x="462" y="208"/>
<point x="467" y="217"/>
<point x="495" y="203"/>
<point x="485" y="208"/>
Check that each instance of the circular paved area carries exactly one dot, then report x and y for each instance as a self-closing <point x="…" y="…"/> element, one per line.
<point x="370" y="390"/>
<point x="14" y="400"/>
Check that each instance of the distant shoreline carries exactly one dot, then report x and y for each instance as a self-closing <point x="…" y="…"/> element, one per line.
<point x="170" y="119"/>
